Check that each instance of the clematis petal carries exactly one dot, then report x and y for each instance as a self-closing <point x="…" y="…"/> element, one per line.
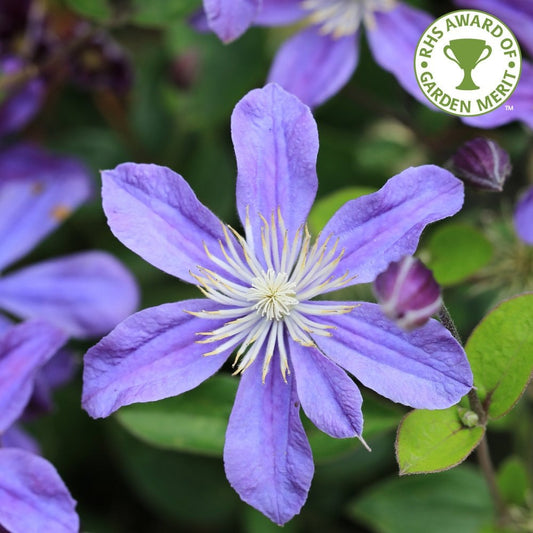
<point x="393" y="38"/>
<point x="517" y="14"/>
<point x="425" y="368"/>
<point x="152" y="355"/>
<point x="24" y="349"/>
<point x="37" y="192"/>
<point x="154" y="212"/>
<point x="330" y="399"/>
<point x="32" y="495"/>
<point x="86" y="294"/>
<point x="5" y="324"/>
<point x="379" y="228"/>
<point x="267" y="456"/>
<point x="229" y="19"/>
<point x="279" y="12"/>
<point x="16" y="437"/>
<point x="56" y="372"/>
<point x="523" y="217"/>
<point x="276" y="145"/>
<point x="520" y="105"/>
<point x="313" y="66"/>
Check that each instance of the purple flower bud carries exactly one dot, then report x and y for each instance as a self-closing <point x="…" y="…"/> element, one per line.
<point x="21" y="104"/>
<point x="408" y="292"/>
<point x="184" y="69"/>
<point x="482" y="163"/>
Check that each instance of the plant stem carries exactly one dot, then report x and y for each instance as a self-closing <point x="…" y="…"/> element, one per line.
<point x="485" y="462"/>
<point x="483" y="451"/>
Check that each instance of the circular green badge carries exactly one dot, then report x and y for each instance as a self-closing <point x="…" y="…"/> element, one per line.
<point x="468" y="62"/>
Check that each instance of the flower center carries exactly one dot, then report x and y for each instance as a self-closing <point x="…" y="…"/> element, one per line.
<point x="274" y="293"/>
<point x="343" y="17"/>
<point x="266" y="297"/>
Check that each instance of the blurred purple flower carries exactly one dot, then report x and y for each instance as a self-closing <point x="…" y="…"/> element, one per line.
<point x="518" y="15"/>
<point x="523" y="217"/>
<point x="482" y="163"/>
<point x="20" y="105"/>
<point x="408" y="292"/>
<point x="318" y="61"/>
<point x="32" y="495"/>
<point x="86" y="293"/>
<point x="259" y="293"/>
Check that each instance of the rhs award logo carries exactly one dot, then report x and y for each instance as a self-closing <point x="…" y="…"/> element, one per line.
<point x="468" y="62"/>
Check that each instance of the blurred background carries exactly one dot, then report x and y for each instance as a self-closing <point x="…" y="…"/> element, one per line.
<point x="129" y="80"/>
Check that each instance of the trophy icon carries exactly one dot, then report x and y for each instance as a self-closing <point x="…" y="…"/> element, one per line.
<point x="467" y="53"/>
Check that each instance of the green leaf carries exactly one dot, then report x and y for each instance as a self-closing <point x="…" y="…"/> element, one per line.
<point x="456" y="251"/>
<point x="432" y="441"/>
<point x="500" y="351"/>
<point x="161" y="12"/>
<point x="177" y="486"/>
<point x="380" y="417"/>
<point x="456" y="500"/>
<point x="513" y="481"/>
<point x="326" y="207"/>
<point x="94" y="9"/>
<point x="194" y="421"/>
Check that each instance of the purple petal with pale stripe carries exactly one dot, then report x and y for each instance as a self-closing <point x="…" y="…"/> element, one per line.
<point x="276" y="145"/>
<point x="33" y="498"/>
<point x="86" y="294"/>
<point x="155" y="213"/>
<point x="150" y="356"/>
<point x="280" y="12"/>
<point x="523" y="217"/>
<point x="229" y="19"/>
<point x="519" y="106"/>
<point x="393" y="40"/>
<point x="517" y="14"/>
<point x="382" y="227"/>
<point x="313" y="66"/>
<point x="330" y="399"/>
<point x="425" y="368"/>
<point x="267" y="456"/>
<point x="37" y="192"/>
<point x="24" y="349"/>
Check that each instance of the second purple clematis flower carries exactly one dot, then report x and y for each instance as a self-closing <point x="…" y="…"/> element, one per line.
<point x="260" y="289"/>
<point x="87" y="293"/>
<point x="317" y="62"/>
<point x="32" y="495"/>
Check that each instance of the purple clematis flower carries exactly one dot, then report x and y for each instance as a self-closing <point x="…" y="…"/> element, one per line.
<point x="290" y="348"/>
<point x="32" y="495"/>
<point x="87" y="293"/>
<point x="523" y="217"/>
<point x="318" y="61"/>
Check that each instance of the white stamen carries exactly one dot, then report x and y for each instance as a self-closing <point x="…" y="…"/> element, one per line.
<point x="340" y="18"/>
<point x="268" y="295"/>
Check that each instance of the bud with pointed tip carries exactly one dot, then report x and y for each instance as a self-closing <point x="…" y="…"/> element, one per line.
<point x="482" y="163"/>
<point x="408" y="292"/>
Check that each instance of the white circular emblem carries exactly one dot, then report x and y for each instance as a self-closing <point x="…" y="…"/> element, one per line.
<point x="468" y="62"/>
